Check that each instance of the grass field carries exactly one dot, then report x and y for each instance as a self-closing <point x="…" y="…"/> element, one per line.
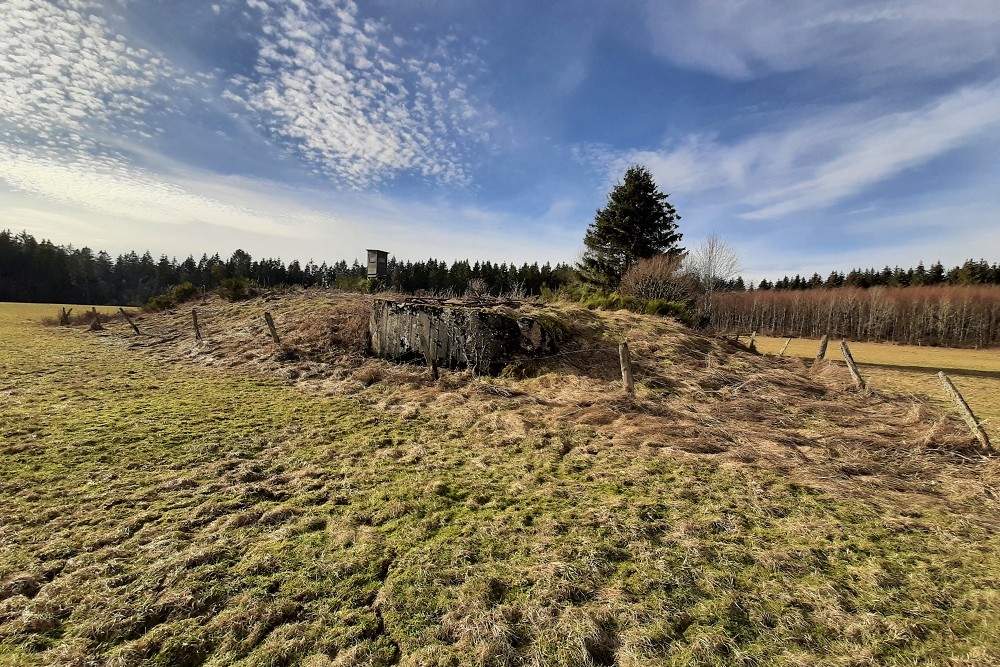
<point x="912" y="369"/>
<point x="188" y="513"/>
<point x="27" y="315"/>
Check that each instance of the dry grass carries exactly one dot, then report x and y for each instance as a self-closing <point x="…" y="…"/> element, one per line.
<point x="229" y="502"/>
<point x="48" y="313"/>
<point x="912" y="370"/>
<point x="915" y="356"/>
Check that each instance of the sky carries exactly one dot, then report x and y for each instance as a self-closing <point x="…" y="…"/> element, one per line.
<point x="810" y="136"/>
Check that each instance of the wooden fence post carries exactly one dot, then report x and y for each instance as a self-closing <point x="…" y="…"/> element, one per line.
<point x="821" y="354"/>
<point x="965" y="410"/>
<point x="270" y="325"/>
<point x="626" y="362"/>
<point x="95" y="322"/>
<point x="130" y="322"/>
<point x="782" y="353"/>
<point x="851" y="366"/>
<point x="197" y="329"/>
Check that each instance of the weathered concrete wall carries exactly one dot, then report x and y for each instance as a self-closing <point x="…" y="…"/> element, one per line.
<point x="456" y="336"/>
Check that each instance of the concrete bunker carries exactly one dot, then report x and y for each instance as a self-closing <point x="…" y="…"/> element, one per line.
<point x="482" y="334"/>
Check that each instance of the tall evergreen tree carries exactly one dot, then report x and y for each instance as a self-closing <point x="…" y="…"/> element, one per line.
<point x="638" y="222"/>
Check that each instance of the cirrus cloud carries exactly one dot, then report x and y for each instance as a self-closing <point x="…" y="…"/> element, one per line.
<point x="877" y="41"/>
<point x="820" y="159"/>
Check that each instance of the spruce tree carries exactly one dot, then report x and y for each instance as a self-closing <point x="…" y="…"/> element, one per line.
<point x="638" y="222"/>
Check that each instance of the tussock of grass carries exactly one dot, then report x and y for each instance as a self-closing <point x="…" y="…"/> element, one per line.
<point x="171" y="503"/>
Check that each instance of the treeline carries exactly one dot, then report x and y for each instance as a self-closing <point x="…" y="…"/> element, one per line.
<point x="972" y="272"/>
<point x="955" y="316"/>
<point x="39" y="271"/>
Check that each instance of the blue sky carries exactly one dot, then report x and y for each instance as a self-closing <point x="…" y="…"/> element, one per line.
<point x="811" y="136"/>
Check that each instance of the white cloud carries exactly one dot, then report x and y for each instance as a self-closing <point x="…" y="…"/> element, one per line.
<point x="345" y="94"/>
<point x="64" y="73"/>
<point x="74" y="91"/>
<point x="902" y="237"/>
<point x="878" y="40"/>
<point x="109" y="204"/>
<point x="363" y="105"/>
<point x="824" y="158"/>
<point x="111" y="187"/>
<point x="419" y="230"/>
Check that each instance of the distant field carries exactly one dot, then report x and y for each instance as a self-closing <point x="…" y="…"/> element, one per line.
<point x="913" y="369"/>
<point x="166" y="502"/>
<point x="35" y="313"/>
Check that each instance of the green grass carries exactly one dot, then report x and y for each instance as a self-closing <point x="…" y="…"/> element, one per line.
<point x="182" y="515"/>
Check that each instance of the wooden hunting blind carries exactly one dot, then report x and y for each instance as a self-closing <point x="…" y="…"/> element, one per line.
<point x="378" y="264"/>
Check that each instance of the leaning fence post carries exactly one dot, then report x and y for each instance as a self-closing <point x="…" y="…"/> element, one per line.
<point x="821" y="354"/>
<point x="782" y="353"/>
<point x="194" y="319"/>
<point x="130" y="322"/>
<point x="965" y="410"/>
<point x="270" y="325"/>
<point x="851" y="366"/>
<point x="626" y="361"/>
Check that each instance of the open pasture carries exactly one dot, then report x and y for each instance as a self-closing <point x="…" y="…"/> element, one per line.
<point x="912" y="369"/>
<point x="173" y="503"/>
<point x="27" y="315"/>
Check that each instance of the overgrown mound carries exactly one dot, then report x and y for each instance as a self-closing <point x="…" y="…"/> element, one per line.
<point x="695" y="394"/>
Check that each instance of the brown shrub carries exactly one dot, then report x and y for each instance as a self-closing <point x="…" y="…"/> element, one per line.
<point x="659" y="278"/>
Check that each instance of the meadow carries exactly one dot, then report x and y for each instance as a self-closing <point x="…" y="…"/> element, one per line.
<point x="224" y="503"/>
<point x="912" y="369"/>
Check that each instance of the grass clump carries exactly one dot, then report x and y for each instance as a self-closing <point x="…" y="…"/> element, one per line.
<point x="663" y="308"/>
<point x="609" y="301"/>
<point x="158" y="303"/>
<point x="237" y="289"/>
<point x="93" y="316"/>
<point x="595" y="298"/>
<point x="183" y="292"/>
<point x="177" y="294"/>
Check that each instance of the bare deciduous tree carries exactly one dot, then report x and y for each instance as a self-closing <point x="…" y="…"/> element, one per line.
<point x="956" y="316"/>
<point x="714" y="262"/>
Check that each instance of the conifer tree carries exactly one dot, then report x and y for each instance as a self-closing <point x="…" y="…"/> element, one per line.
<point x="638" y="222"/>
